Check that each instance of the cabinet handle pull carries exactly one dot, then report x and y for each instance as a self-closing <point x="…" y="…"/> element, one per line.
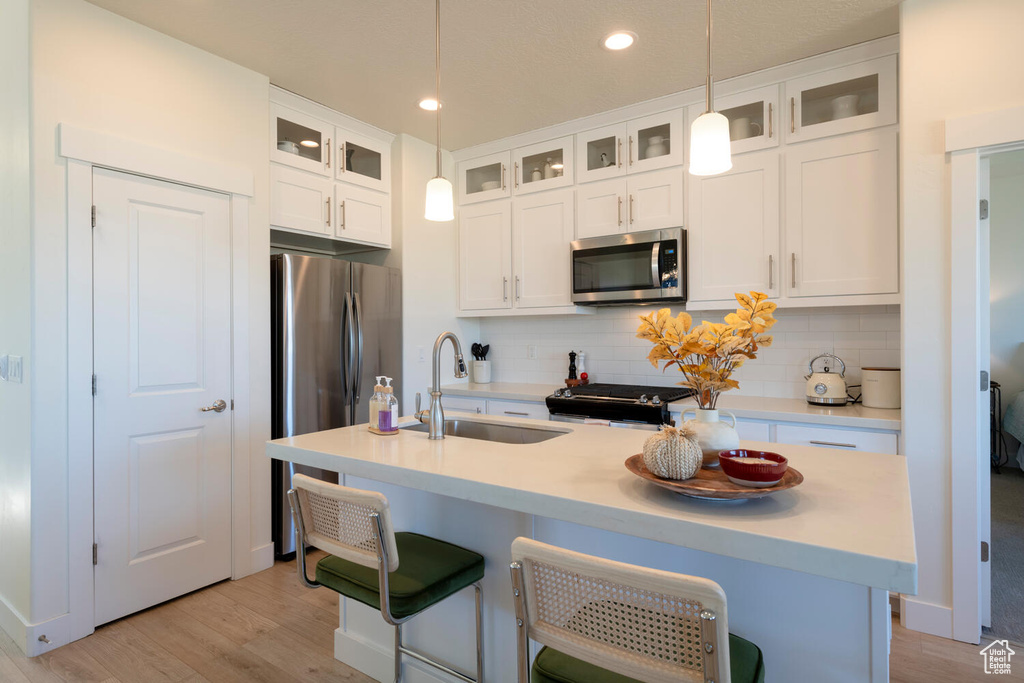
<point x="514" y="412"/>
<point x="328" y="152"/>
<point x="342" y="157"/>
<point x="630" y="150"/>
<point x="517" y="288"/>
<point x="631" y="209"/>
<point x="833" y="444"/>
<point x="618" y="153"/>
<point x="503" y="177"/>
<point x="770" y="117"/>
<point x="771" y="271"/>
<point x="504" y="289"/>
<point x="328" y="202"/>
<point x="792" y="269"/>
<point x="342" y="214"/>
<point x="516" y="179"/>
<point x="792" y="114"/>
<point x="620" y="209"/>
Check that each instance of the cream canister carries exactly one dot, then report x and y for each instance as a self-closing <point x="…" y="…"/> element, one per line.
<point x="880" y="387"/>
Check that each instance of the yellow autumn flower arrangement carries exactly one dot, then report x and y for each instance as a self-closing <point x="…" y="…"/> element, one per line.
<point x="709" y="353"/>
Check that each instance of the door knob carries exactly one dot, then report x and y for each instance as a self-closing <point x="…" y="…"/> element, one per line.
<point x="218" y="406"/>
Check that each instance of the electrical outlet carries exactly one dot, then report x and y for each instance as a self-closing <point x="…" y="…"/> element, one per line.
<point x="14" y="369"/>
<point x="531" y="351"/>
<point x="421" y="354"/>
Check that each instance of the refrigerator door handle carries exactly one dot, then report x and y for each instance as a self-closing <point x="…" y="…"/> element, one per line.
<point x="358" y="385"/>
<point x="348" y="346"/>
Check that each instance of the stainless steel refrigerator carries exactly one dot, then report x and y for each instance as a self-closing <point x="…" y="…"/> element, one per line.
<point x="335" y="326"/>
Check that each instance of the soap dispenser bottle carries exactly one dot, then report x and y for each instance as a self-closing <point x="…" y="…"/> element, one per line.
<point x="375" y="404"/>
<point x="388" y="409"/>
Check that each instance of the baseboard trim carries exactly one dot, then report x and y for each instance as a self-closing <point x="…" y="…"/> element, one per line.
<point x="925" y="617"/>
<point x="262" y="558"/>
<point x="27" y="635"/>
<point x="13" y="624"/>
<point x="378" y="662"/>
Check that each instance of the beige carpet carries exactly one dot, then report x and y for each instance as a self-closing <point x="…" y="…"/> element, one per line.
<point x="1008" y="555"/>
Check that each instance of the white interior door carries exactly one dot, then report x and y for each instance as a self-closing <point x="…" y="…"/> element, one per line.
<point x="162" y="304"/>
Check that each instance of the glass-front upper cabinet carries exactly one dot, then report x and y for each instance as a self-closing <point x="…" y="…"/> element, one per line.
<point x="640" y="145"/>
<point x="753" y="118"/>
<point x="484" y="178"/>
<point x="542" y="166"/>
<point x="842" y="100"/>
<point x="300" y="140"/>
<point x="363" y="161"/>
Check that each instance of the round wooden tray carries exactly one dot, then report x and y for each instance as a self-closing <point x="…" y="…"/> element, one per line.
<point x="711" y="484"/>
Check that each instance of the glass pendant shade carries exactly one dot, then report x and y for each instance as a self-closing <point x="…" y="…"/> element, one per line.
<point x="710" y="148"/>
<point x="440" y="201"/>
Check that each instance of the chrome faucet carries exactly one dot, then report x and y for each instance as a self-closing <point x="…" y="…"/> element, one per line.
<point x="435" y="418"/>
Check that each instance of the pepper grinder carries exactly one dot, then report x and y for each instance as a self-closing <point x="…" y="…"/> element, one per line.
<point x="572" y="365"/>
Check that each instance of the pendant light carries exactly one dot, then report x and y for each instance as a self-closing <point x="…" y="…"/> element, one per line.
<point x="710" y="149"/>
<point x="440" y="204"/>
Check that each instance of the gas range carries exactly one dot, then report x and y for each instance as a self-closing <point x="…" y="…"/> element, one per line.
<point x="622" y="405"/>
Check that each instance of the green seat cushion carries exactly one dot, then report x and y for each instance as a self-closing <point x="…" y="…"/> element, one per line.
<point x="552" y="666"/>
<point x="428" y="571"/>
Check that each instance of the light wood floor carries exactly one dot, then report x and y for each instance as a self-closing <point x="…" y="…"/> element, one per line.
<point x="267" y="628"/>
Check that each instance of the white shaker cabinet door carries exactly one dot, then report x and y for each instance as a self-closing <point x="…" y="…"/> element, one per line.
<point x="485" y="259"/>
<point x="363" y="216"/>
<point x="542" y="229"/>
<point x="841" y="221"/>
<point x="600" y="208"/>
<point x="733" y="231"/>
<point x="654" y="200"/>
<point x="300" y="201"/>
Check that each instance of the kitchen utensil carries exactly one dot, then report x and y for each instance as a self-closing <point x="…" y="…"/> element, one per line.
<point x="475" y="350"/>
<point x="712" y="484"/>
<point x="826" y="388"/>
<point x="880" y="387"/>
<point x="483" y="351"/>
<point x="757" y="469"/>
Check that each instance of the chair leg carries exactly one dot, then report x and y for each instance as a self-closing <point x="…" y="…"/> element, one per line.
<point x="398" y="653"/>
<point x="479" y="632"/>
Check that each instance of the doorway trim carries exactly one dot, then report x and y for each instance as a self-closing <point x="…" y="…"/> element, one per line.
<point x="83" y="150"/>
<point x="968" y="140"/>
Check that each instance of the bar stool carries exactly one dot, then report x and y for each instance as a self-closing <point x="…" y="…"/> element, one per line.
<point x="610" y="622"/>
<point x="355" y="527"/>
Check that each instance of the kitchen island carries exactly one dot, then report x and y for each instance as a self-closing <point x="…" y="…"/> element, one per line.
<point x="806" y="571"/>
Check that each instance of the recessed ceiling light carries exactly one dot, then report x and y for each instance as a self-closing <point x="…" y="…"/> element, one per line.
<point x="309" y="143"/>
<point x="428" y="104"/>
<point x="619" y="40"/>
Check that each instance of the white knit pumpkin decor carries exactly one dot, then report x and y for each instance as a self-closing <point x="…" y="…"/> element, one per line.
<point x="673" y="453"/>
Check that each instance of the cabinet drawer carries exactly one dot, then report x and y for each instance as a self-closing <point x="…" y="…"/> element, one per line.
<point x="842" y="439"/>
<point x="753" y="431"/>
<point x="534" y="411"/>
<point x="464" y="404"/>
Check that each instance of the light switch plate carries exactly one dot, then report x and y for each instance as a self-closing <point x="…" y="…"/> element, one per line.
<point x="3" y="368"/>
<point x="531" y="351"/>
<point x="14" y="369"/>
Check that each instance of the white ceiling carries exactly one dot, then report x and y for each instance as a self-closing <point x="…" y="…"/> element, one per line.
<point x="507" y="66"/>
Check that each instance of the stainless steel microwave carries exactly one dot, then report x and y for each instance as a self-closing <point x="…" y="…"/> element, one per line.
<point x="635" y="268"/>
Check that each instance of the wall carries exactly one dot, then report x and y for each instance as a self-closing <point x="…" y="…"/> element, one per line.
<point x="861" y="336"/>
<point x="956" y="58"/>
<point x="99" y="71"/>
<point x="429" y="253"/>
<point x="15" y="310"/>
<point x="1006" y="225"/>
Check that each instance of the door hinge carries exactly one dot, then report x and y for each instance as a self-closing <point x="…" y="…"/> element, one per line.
<point x="95" y="554"/>
<point x="984" y="551"/>
<point x="985" y="384"/>
<point x="94" y="385"/>
<point x="983" y="209"/>
<point x="94" y="215"/>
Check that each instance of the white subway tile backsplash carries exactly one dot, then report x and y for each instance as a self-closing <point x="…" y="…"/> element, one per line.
<point x="865" y="335"/>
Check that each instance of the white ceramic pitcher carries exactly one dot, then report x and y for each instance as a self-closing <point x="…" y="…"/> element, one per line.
<point x="713" y="435"/>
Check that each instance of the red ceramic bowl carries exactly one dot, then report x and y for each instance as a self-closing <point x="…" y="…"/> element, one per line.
<point x="738" y="467"/>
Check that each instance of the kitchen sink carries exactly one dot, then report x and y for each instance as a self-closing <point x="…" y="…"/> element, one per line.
<point x="489" y="431"/>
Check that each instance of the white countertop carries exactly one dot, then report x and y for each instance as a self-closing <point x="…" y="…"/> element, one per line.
<point x="849" y="520"/>
<point x="799" y="410"/>
<point x="505" y="391"/>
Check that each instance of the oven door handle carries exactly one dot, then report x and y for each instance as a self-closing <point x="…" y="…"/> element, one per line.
<point x="655" y="262"/>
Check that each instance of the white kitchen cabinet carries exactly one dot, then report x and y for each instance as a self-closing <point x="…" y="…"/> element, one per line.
<point x="843" y="100"/>
<point x="654" y="200"/>
<point x="751" y="430"/>
<point x="599" y="208"/>
<point x="753" y="118"/>
<point x="636" y="146"/>
<point x="542" y="228"/>
<point x="841" y="216"/>
<point x="485" y="256"/>
<point x="485" y="178"/>
<point x="843" y="439"/>
<point x="543" y="166"/>
<point x="733" y="230"/>
<point x="300" y="201"/>
<point x="363" y="161"/>
<point x="362" y="215"/>
<point x="300" y="140"/>
<point x="534" y="411"/>
<point x="477" y="406"/>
